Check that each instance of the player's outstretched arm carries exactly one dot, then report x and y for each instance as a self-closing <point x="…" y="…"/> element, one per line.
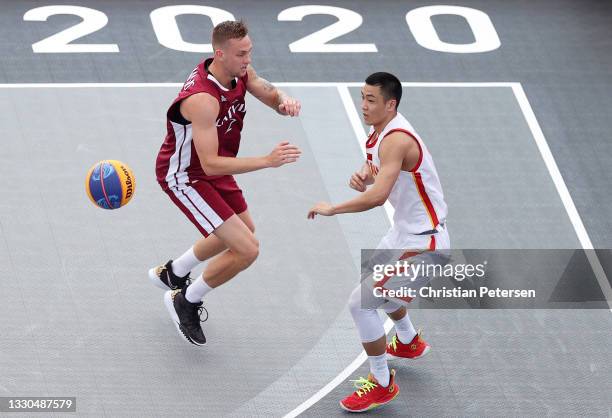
<point x="201" y="109"/>
<point x="394" y="152"/>
<point x="272" y="96"/>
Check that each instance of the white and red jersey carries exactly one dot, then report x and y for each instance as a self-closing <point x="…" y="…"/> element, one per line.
<point x="417" y="195"/>
<point x="177" y="162"/>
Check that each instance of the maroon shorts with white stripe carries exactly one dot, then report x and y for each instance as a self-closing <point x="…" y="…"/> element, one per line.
<point x="208" y="203"/>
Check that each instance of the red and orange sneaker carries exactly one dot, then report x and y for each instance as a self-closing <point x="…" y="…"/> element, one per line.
<point x="416" y="348"/>
<point x="370" y="394"/>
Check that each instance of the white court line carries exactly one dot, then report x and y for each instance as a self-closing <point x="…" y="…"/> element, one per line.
<point x="279" y="84"/>
<point x="566" y="197"/>
<point x="553" y="170"/>
<point x="360" y="136"/>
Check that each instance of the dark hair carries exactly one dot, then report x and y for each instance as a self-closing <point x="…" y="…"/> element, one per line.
<point x="227" y="30"/>
<point x="390" y="86"/>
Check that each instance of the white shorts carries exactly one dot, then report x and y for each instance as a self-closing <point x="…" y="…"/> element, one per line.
<point x="429" y="249"/>
<point x="395" y="239"/>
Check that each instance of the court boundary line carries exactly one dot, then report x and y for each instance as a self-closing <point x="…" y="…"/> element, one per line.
<point x="553" y="171"/>
<point x="563" y="191"/>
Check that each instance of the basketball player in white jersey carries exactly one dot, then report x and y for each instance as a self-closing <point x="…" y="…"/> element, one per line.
<point x="400" y="169"/>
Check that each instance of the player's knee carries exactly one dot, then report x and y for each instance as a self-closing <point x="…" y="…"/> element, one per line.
<point x="369" y="325"/>
<point x="248" y="254"/>
<point x="253" y="251"/>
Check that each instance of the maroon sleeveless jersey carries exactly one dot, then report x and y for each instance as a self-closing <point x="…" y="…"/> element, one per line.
<point x="177" y="161"/>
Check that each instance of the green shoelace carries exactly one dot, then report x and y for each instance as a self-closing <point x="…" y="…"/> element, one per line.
<point x="393" y="343"/>
<point x="363" y="386"/>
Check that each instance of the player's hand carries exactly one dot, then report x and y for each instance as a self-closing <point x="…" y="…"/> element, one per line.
<point x="367" y="175"/>
<point x="361" y="179"/>
<point x="283" y="153"/>
<point x="289" y="106"/>
<point x="358" y="181"/>
<point x="321" y="208"/>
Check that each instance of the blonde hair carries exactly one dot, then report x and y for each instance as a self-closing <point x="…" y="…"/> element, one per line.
<point x="227" y="30"/>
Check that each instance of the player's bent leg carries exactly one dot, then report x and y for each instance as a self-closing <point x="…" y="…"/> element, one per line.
<point x="175" y="273"/>
<point x="239" y="248"/>
<point x="184" y="305"/>
<point x="379" y="387"/>
<point x="205" y="206"/>
<point x="243" y="249"/>
<point x="235" y="235"/>
<point x="210" y="246"/>
<point x="206" y="248"/>
<point x="369" y="325"/>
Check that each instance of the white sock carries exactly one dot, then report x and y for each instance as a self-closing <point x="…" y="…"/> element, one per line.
<point x="183" y="265"/>
<point x="197" y="290"/>
<point x="379" y="368"/>
<point x="405" y="330"/>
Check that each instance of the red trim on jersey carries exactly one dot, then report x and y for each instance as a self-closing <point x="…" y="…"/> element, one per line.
<point x="420" y="160"/>
<point x="369" y="156"/>
<point x="411" y="135"/>
<point x="418" y="180"/>
<point x="372" y="140"/>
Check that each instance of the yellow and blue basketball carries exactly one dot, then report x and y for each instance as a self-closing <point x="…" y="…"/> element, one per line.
<point x="110" y="184"/>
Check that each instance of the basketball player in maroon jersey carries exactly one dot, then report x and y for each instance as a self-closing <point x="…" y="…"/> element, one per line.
<point x="195" y="167"/>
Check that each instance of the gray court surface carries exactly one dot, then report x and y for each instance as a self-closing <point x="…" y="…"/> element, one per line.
<point x="80" y="318"/>
<point x="558" y="49"/>
<point x="495" y="362"/>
